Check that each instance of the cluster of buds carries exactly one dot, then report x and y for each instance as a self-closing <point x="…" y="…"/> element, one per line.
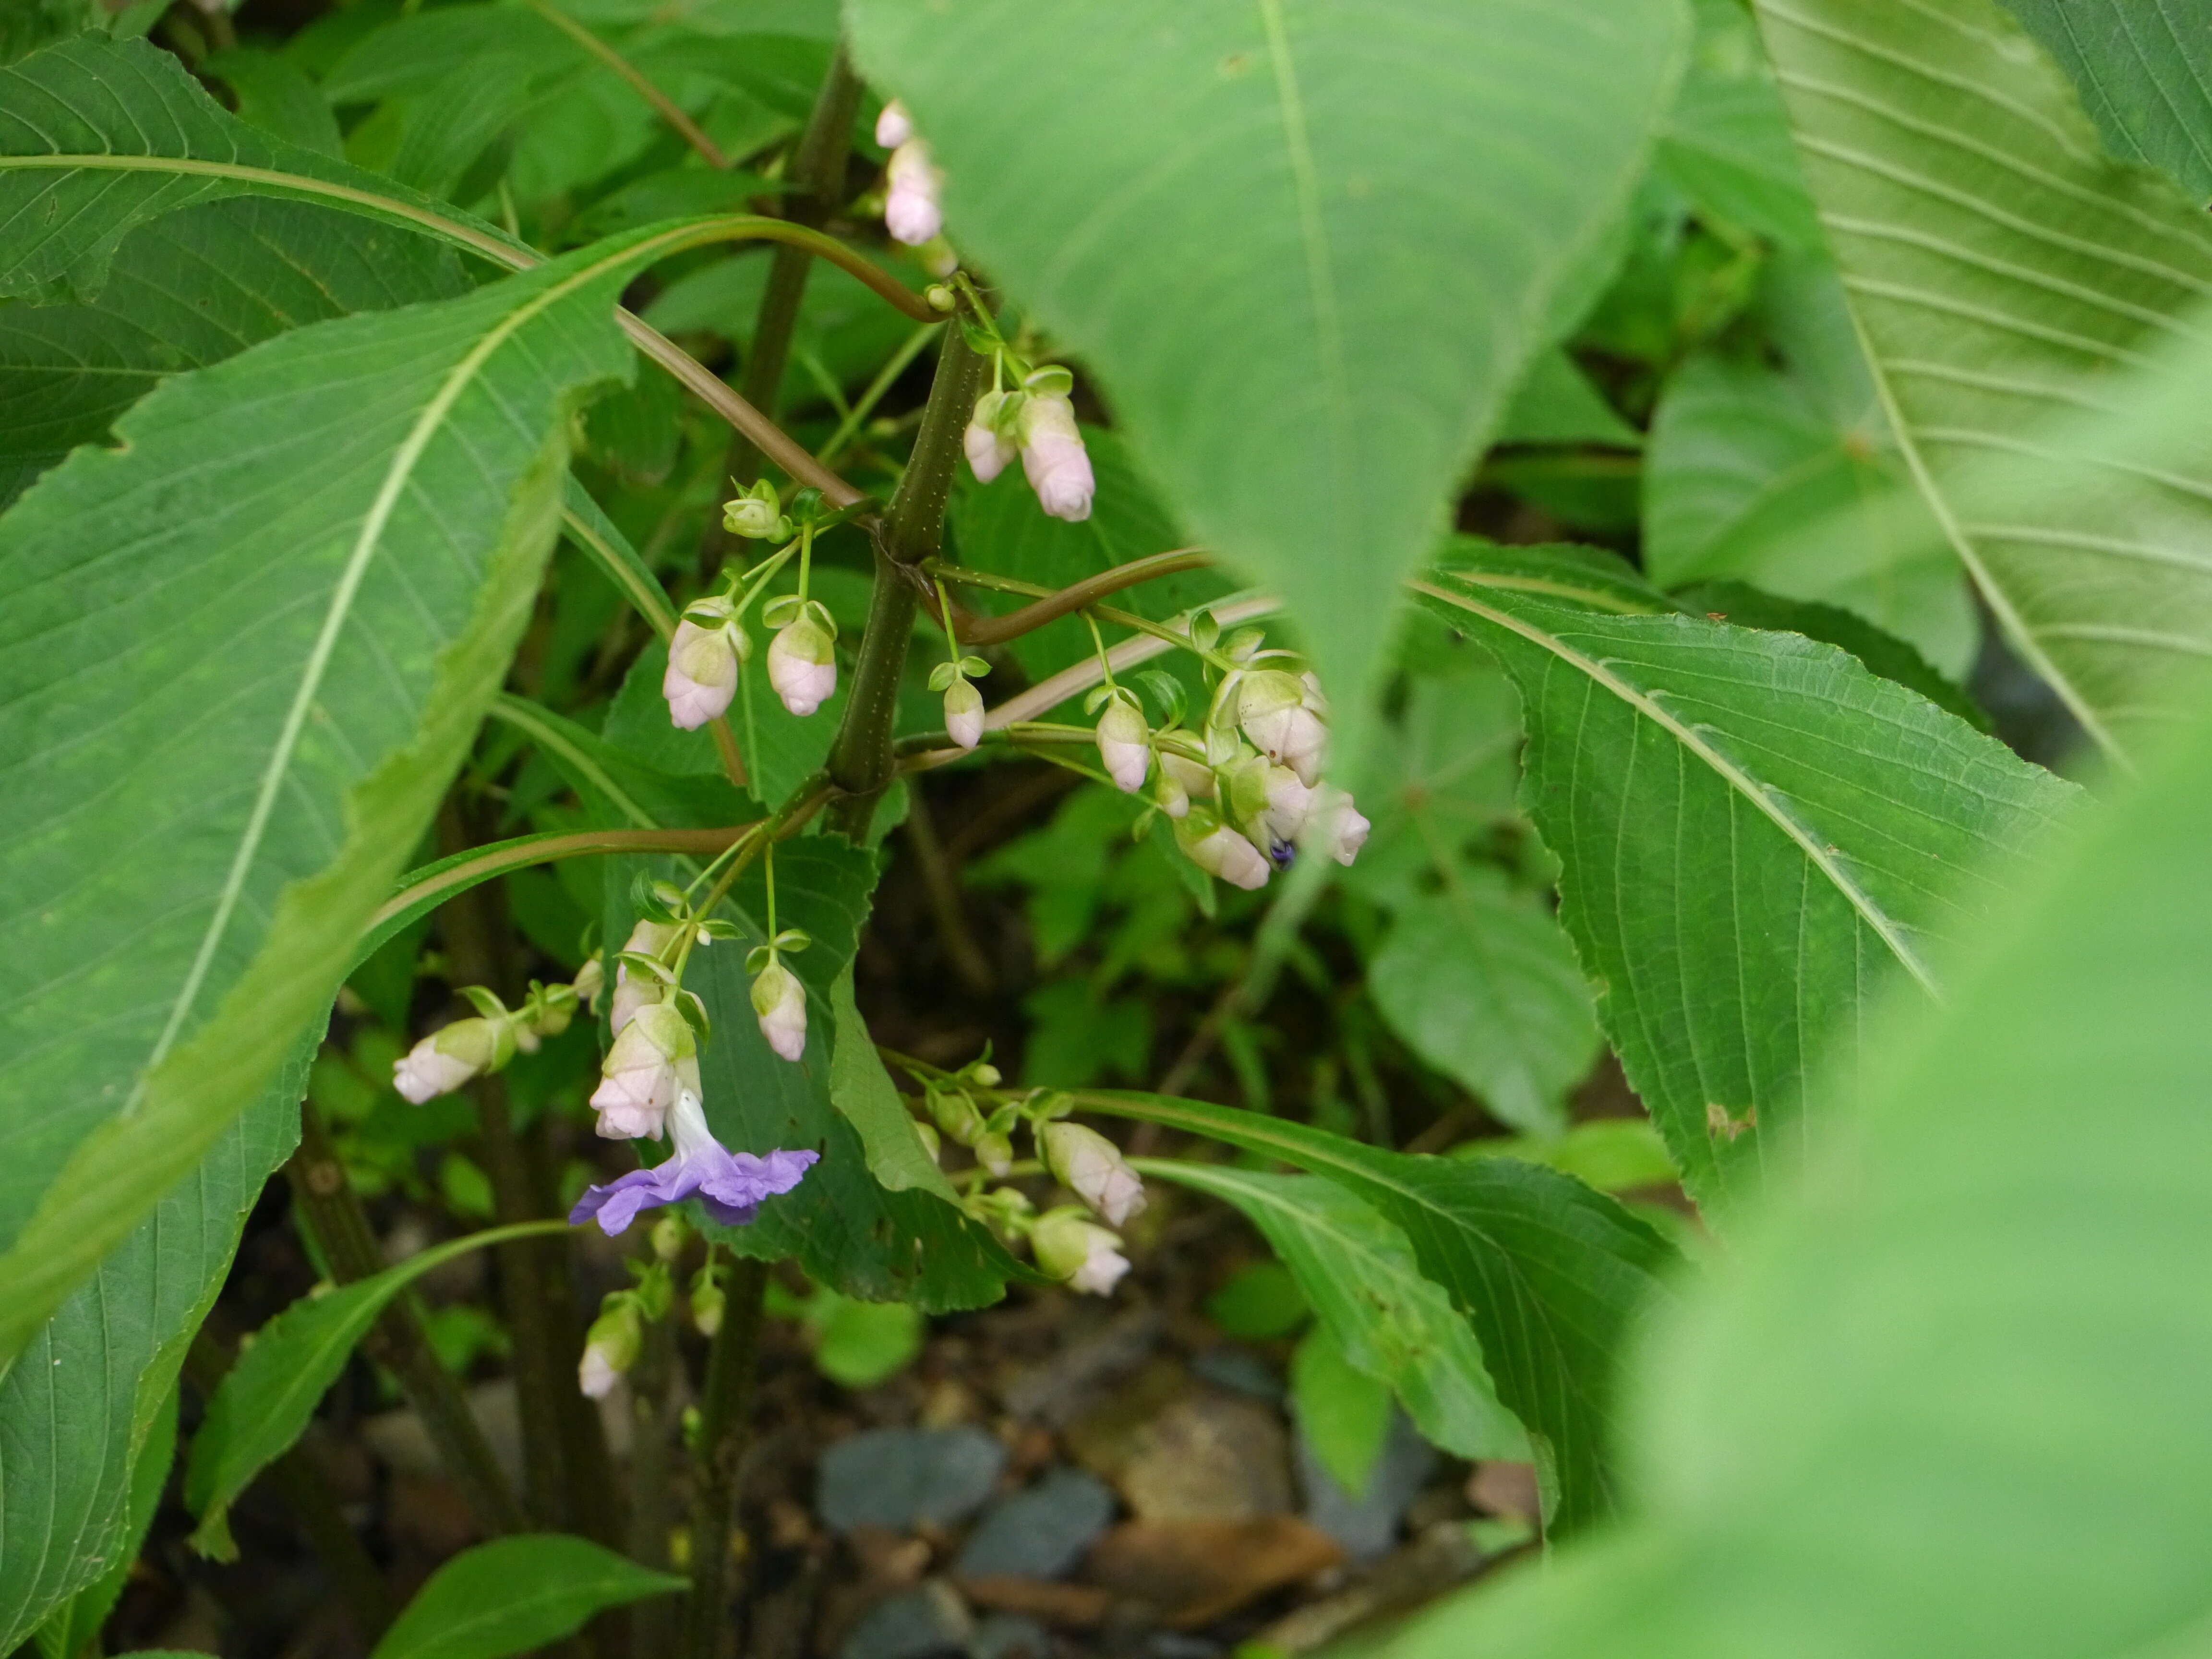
<point x="1034" y="420"/>
<point x="711" y="648"/>
<point x="466" y="1049"/>
<point x="1246" y="791"/>
<point x="1075" y="1243"/>
<point x="911" y="209"/>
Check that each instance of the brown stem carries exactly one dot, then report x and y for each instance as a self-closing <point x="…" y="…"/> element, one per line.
<point x="655" y="1408"/>
<point x="724" y="1434"/>
<point x="325" y="1204"/>
<point x="817" y="178"/>
<point x="668" y="109"/>
<point x="941" y="881"/>
<point x="307" y="1493"/>
<point x="996" y="630"/>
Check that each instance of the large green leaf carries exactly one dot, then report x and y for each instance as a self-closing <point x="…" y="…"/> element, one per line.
<point x="1727" y="140"/>
<point x="266" y="1399"/>
<point x="515" y="1594"/>
<point x="76" y="1624"/>
<point x="1551" y="1274"/>
<point x="80" y="1407"/>
<point x="2001" y="269"/>
<point x="1945" y="1398"/>
<point x="1756" y="836"/>
<point x="184" y="291"/>
<point x="1360" y="1277"/>
<point x="1310" y="248"/>
<point x="2144" y="68"/>
<point x="241" y="656"/>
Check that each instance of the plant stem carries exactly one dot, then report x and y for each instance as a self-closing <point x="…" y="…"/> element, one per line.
<point x="1055" y="603"/>
<point x="325" y="1204"/>
<point x="941" y="881"/>
<point x="654" y="1407"/>
<point x="725" y="1414"/>
<point x="667" y="108"/>
<point x="912" y="531"/>
<point x="817" y="172"/>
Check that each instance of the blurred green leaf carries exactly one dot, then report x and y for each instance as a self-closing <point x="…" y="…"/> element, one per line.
<point x="1726" y="145"/>
<point x="1258" y="1302"/>
<point x="1556" y="404"/>
<point x="1342" y="1412"/>
<point x="1612" y="1154"/>
<point x="515" y="1594"/>
<point x="274" y="93"/>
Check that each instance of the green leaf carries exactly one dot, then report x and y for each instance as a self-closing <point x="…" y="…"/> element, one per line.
<point x="515" y="1594"/>
<point x="1785" y="476"/>
<point x="1386" y="1320"/>
<point x="97" y="138"/>
<point x="1727" y="143"/>
<point x="274" y="93"/>
<point x="311" y="566"/>
<point x="1258" y="1302"/>
<point x="1556" y="404"/>
<point x="2001" y="268"/>
<point x="1343" y="1414"/>
<point x="619" y="788"/>
<point x="79" y="1409"/>
<point x="187" y="290"/>
<point x="1946" y="1401"/>
<point x="76" y="1626"/>
<point x="266" y="1401"/>
<point x="1757" y="836"/>
<point x="1359" y="215"/>
<point x="1481" y="982"/>
<point x="863" y="1091"/>
<point x="1549" y="1274"/>
<point x="2144" y="72"/>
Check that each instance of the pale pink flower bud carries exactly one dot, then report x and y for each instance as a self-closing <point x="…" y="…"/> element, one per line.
<point x="779" y="1003"/>
<point x="1053" y="455"/>
<point x="654" y="1058"/>
<point x="911" y="212"/>
<point x="1092" y="1168"/>
<point x="1341" y="829"/>
<point x="447" y="1059"/>
<point x="894" y="126"/>
<point x="964" y="713"/>
<point x="989" y="447"/>
<point x="702" y="674"/>
<point x="1124" y="745"/>
<point x="802" y="666"/>
<point x="1216" y="849"/>
<point x="1181" y="780"/>
<point x="1271" y="805"/>
<point x="610" y="1348"/>
<point x="1069" y="1246"/>
<point x="1272" y="709"/>
<point x="591" y="980"/>
<point x="635" y="990"/>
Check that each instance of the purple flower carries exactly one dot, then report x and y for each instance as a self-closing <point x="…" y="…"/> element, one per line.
<point x="730" y="1185"/>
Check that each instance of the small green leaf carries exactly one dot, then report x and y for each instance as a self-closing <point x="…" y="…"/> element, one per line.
<point x="515" y="1594"/>
<point x="1343" y="1413"/>
<point x="863" y="1091"/>
<point x="1261" y="1301"/>
<point x="272" y="1391"/>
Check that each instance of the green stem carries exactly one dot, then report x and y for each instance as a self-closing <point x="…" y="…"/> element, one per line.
<point x="886" y="377"/>
<point x="725" y="1424"/>
<point x="667" y="108"/>
<point x="860" y="764"/>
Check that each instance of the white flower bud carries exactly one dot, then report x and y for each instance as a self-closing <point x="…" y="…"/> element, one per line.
<point x="964" y="713"/>
<point x="1092" y="1168"/>
<point x="1124" y="745"/>
<point x="1216" y="849"/>
<point x="703" y="673"/>
<point x="1271" y="707"/>
<point x="779" y="1002"/>
<point x="1341" y="829"/>
<point x="1053" y="455"/>
<point x="894" y="126"/>
<point x="802" y="665"/>
<point x="654" y="1058"/>
<point x="989" y="448"/>
<point x="591" y="980"/>
<point x="1182" y="781"/>
<point x="707" y="1304"/>
<point x="995" y="1152"/>
<point x="1068" y="1246"/>
<point x="447" y="1059"/>
<point x="636" y="991"/>
<point x="1271" y="805"/>
<point x="911" y="212"/>
<point x="610" y="1348"/>
<point x="757" y="518"/>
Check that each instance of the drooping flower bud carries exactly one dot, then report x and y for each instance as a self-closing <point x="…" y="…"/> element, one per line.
<point x="957" y="1115"/>
<point x="990" y="445"/>
<point x="591" y="980"/>
<point x="964" y="713"/>
<point x="894" y="126"/>
<point x="1070" y="1246"/>
<point x="702" y="666"/>
<point x="668" y="1236"/>
<point x="1340" y="828"/>
<point x="757" y="514"/>
<point x="654" y="1060"/>
<point x="802" y="665"/>
<point x="610" y="1348"/>
<point x="1092" y="1168"/>
<point x="1124" y="745"/>
<point x="1272" y="707"/>
<point x="1181" y="780"/>
<point x="1216" y="849"/>
<point x="706" y="1301"/>
<point x="1053" y="455"/>
<point x="447" y="1059"/>
<point x="911" y="211"/>
<point x="779" y="1001"/>
<point x="635" y="991"/>
<point x="1271" y="805"/>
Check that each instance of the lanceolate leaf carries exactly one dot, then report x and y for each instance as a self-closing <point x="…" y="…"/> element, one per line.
<point x="2002" y="268"/>
<point x="78" y="1408"/>
<point x="2144" y="68"/>
<point x="515" y="1594"/>
<point x="269" y="1395"/>
<point x="1359" y="1276"/>
<point x="1756" y="836"/>
<point x="1550" y="1274"/>
<point x="1365" y="208"/>
<point x="241" y="657"/>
